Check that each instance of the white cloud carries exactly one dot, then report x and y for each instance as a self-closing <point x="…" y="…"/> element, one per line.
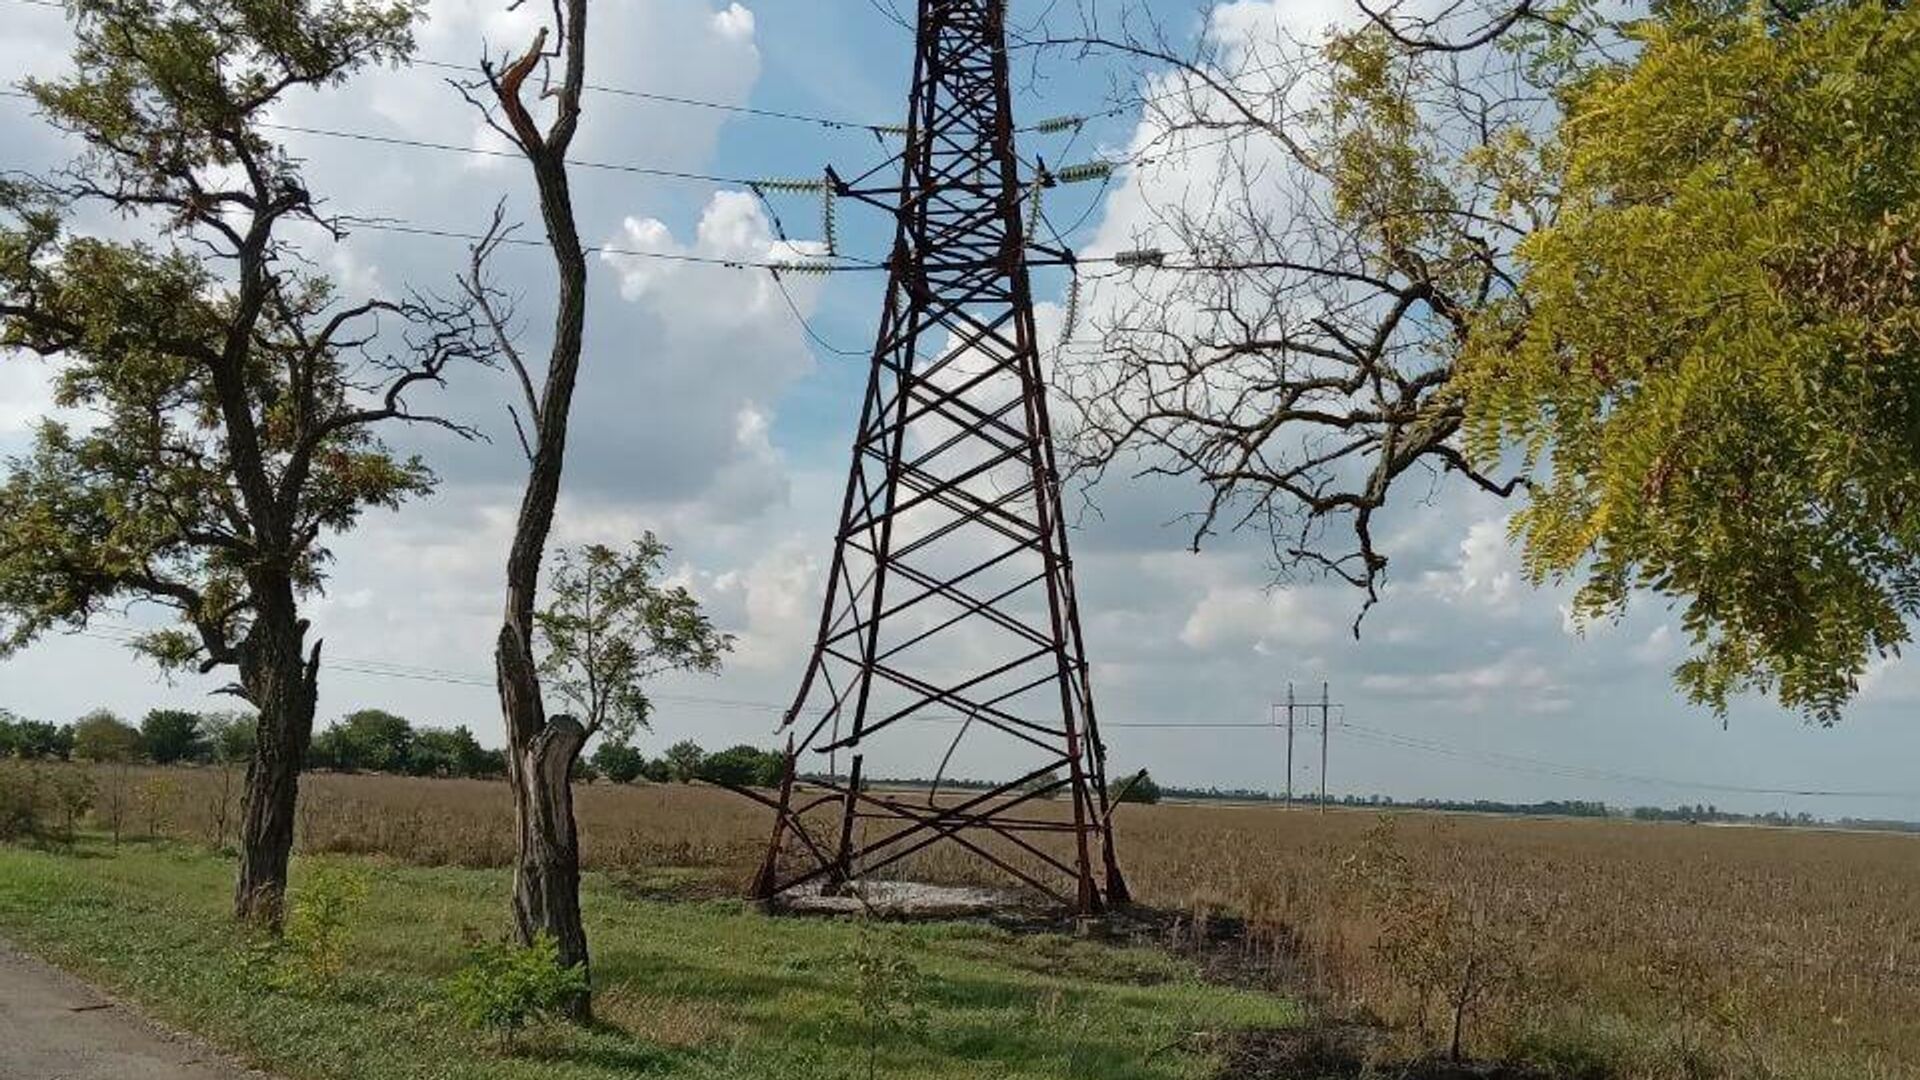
<point x="1240" y="615"/>
<point x="26" y="395"/>
<point x="1487" y="573"/>
<point x="1660" y="646"/>
<point x="1518" y="680"/>
<point x="735" y="23"/>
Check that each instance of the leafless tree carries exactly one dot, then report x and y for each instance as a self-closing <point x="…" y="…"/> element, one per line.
<point x="541" y="749"/>
<point x="1319" y="221"/>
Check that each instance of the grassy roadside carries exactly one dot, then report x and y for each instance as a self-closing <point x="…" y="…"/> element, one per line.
<point x="687" y="989"/>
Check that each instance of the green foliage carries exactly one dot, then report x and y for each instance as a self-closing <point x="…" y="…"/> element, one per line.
<point x="611" y="626"/>
<point x="170" y="735"/>
<point x="368" y="740"/>
<point x="1712" y="362"/>
<point x="439" y="752"/>
<point x="41" y="740"/>
<point x="683" y="760"/>
<point x="23" y="805"/>
<point x="41" y="803"/>
<point x="504" y="987"/>
<point x="103" y="737"/>
<point x="888" y="991"/>
<point x="374" y="740"/>
<point x="1141" y="789"/>
<point x="619" y="762"/>
<point x="311" y="955"/>
<point x="742" y="766"/>
<point x="230" y="394"/>
<point x="676" y="983"/>
<point x="230" y="736"/>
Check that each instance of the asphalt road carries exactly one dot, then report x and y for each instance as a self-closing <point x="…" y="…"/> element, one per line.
<point x="55" y="1027"/>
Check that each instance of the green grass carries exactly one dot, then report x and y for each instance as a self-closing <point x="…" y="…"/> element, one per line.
<point x="706" y="990"/>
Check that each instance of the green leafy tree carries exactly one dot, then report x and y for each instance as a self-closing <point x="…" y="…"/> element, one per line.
<point x="234" y="396"/>
<point x="368" y="740"/>
<point x="683" y="760"/>
<point x="619" y="762"/>
<point x="439" y="752"/>
<point x="1712" y="359"/>
<point x="100" y="736"/>
<point x="9" y="735"/>
<point x="611" y="626"/>
<point x="742" y="766"/>
<point x="40" y="740"/>
<point x="230" y="736"/>
<point x="1140" y="789"/>
<point x="172" y="735"/>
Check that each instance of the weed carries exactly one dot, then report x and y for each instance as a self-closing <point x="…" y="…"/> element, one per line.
<point x="504" y="987"/>
<point x="887" y="990"/>
<point x="311" y="956"/>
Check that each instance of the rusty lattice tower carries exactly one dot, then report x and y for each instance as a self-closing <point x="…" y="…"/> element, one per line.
<point x="950" y="598"/>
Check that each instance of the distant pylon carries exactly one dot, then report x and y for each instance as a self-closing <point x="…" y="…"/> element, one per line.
<point x="950" y="595"/>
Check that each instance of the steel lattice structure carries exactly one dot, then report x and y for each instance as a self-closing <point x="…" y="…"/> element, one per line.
<point x="950" y="595"/>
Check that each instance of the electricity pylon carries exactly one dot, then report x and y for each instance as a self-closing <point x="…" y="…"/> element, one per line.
<point x="950" y="597"/>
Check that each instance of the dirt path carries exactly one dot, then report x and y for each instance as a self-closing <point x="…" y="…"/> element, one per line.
<point x="55" y="1027"/>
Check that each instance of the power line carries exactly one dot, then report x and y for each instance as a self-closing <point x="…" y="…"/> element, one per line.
<point x="830" y="123"/>
<point x="480" y="151"/>
<point x="397" y="225"/>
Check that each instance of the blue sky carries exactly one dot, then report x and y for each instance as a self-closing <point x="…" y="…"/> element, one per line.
<point x="707" y="416"/>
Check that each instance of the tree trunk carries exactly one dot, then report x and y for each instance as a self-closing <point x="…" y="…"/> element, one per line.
<point x="546" y="874"/>
<point x="541" y="750"/>
<point x="281" y="682"/>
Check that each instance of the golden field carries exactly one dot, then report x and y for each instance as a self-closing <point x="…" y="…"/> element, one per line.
<point x="1641" y="951"/>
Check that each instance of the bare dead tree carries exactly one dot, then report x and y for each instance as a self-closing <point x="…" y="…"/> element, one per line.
<point x="1320" y="222"/>
<point x="541" y="749"/>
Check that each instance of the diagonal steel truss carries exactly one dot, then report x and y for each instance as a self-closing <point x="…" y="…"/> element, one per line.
<point x="950" y="596"/>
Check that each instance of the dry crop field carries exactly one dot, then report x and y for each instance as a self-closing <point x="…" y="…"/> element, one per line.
<point x="1610" y="948"/>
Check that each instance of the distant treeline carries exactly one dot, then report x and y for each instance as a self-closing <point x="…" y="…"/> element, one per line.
<point x="377" y="741"/>
<point x="364" y="741"/>
<point x="163" y="736"/>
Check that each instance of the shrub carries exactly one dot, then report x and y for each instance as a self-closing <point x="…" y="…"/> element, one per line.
<point x="504" y="987"/>
<point x="888" y="991"/>
<point x="153" y="797"/>
<point x="41" y="804"/>
<point x="312" y="955"/>
<point x="73" y="792"/>
<point x="23" y="805"/>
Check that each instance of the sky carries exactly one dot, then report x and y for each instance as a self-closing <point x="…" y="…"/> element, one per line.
<point x="711" y="415"/>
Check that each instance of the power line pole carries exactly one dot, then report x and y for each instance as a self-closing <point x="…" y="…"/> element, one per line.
<point x="1289" y="746"/>
<point x="1326" y="713"/>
